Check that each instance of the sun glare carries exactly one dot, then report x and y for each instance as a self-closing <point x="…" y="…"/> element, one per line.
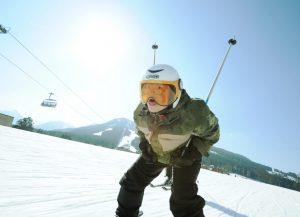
<point x="100" y="44"/>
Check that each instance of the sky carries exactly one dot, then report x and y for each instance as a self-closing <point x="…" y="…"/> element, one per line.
<point x="97" y="51"/>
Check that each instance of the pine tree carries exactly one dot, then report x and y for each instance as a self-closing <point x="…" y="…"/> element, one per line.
<point x="25" y="124"/>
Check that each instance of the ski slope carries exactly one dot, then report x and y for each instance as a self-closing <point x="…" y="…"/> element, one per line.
<point x="51" y="177"/>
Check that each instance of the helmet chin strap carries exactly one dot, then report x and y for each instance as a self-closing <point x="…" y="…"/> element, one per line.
<point x="177" y="100"/>
<point x="180" y="84"/>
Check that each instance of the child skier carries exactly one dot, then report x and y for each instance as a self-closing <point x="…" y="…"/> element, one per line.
<point x="174" y="130"/>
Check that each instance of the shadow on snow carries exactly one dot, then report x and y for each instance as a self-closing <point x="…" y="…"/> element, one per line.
<point x="225" y="210"/>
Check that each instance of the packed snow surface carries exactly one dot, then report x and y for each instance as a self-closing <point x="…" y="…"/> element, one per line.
<point x="51" y="177"/>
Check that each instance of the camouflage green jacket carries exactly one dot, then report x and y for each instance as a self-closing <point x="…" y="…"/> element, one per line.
<point x="169" y="130"/>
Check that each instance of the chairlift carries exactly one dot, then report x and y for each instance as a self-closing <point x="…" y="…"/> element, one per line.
<point x="49" y="102"/>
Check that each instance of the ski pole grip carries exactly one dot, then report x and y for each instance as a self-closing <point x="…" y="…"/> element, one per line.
<point x="232" y="41"/>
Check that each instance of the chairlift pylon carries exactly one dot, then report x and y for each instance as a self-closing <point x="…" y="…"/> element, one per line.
<point x="49" y="102"/>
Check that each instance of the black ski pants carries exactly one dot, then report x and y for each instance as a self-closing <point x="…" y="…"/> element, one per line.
<point x="184" y="201"/>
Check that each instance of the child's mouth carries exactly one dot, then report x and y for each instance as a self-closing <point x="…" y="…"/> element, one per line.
<point x="151" y="102"/>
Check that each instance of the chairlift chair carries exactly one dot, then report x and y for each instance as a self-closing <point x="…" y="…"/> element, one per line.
<point x="49" y="102"/>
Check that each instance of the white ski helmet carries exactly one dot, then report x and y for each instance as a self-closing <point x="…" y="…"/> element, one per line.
<point x="162" y="83"/>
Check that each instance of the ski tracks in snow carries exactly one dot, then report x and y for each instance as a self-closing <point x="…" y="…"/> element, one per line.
<point x="281" y="210"/>
<point x="243" y="200"/>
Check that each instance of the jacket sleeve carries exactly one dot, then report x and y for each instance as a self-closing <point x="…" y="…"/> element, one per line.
<point x="207" y="132"/>
<point x="141" y="135"/>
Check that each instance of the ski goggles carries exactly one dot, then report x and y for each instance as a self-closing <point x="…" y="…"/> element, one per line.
<point x="163" y="92"/>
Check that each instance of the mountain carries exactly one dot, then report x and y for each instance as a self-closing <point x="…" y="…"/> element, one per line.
<point x="224" y="161"/>
<point x="53" y="125"/>
<point x="14" y="114"/>
<point x="116" y="134"/>
<point x="48" y="176"/>
<point x="222" y="158"/>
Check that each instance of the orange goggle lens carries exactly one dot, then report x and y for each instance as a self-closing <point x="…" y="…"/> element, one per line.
<point x="163" y="94"/>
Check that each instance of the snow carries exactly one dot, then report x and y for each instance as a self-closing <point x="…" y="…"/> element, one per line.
<point x="213" y="152"/>
<point x="43" y="176"/>
<point x="126" y="141"/>
<point x="283" y="175"/>
<point x="100" y="133"/>
<point x="292" y="178"/>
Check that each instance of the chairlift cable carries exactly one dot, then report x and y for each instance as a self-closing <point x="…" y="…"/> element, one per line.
<point x="44" y="87"/>
<point x="18" y="67"/>
<point x="74" y="109"/>
<point x="55" y="75"/>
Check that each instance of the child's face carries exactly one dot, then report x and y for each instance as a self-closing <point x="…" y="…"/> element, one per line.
<point x="154" y="107"/>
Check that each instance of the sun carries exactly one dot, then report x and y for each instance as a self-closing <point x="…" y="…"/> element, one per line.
<point x="100" y="43"/>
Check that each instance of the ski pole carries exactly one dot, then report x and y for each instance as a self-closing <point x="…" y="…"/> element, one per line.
<point x="231" y="42"/>
<point x="154" y="47"/>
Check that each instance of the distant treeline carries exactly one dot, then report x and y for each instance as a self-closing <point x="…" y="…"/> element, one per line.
<point x="89" y="139"/>
<point x="227" y="162"/>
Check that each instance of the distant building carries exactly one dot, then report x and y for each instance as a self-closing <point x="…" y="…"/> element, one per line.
<point x="6" y="120"/>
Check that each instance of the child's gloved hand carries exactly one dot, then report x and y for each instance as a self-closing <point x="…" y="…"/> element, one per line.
<point x="147" y="152"/>
<point x="190" y="156"/>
